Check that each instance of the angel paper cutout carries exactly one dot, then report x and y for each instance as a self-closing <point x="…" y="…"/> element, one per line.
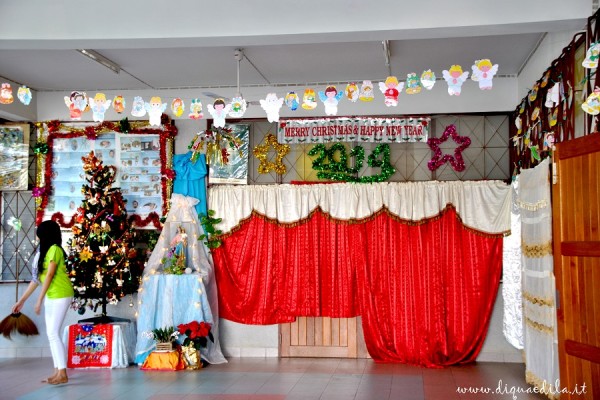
<point x="237" y="107"/>
<point x="292" y="101"/>
<point x="77" y="103"/>
<point x="352" y="92"/>
<point x="177" y="107"/>
<point x="218" y="110"/>
<point x="483" y="72"/>
<point x="455" y="77"/>
<point x="24" y="95"/>
<point x="272" y="104"/>
<point x="118" y="104"/>
<point x="6" y="94"/>
<point x="428" y="79"/>
<point x="155" y="109"/>
<point x="137" y="108"/>
<point x="366" y="91"/>
<point x="196" y="109"/>
<point x="592" y="103"/>
<point x="99" y="104"/>
<point x="309" y="101"/>
<point x="591" y="56"/>
<point x="330" y="98"/>
<point x="413" y="83"/>
<point x="391" y="89"/>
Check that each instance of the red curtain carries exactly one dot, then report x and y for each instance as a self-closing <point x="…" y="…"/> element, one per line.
<point x="425" y="291"/>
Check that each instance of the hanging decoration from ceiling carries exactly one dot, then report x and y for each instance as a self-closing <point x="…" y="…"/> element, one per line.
<point x="272" y="104"/>
<point x="483" y="72"/>
<point x="24" y="95"/>
<point x="138" y="108"/>
<point x="237" y="107"/>
<point x="177" y="107"/>
<point x="78" y="104"/>
<point x="330" y="98"/>
<point x="455" y="77"/>
<point x="332" y="163"/>
<point x="99" y="104"/>
<point x="456" y="161"/>
<point x="413" y="84"/>
<point x="309" y="100"/>
<point x="391" y="89"/>
<point x="352" y="92"/>
<point x="346" y="129"/>
<point x="262" y="151"/>
<point x="215" y="143"/>
<point x="292" y="101"/>
<point x="218" y="110"/>
<point x="428" y="79"/>
<point x="366" y="91"/>
<point x="6" y="94"/>
<point x="155" y="108"/>
<point x="591" y="56"/>
<point x="119" y="104"/>
<point x="196" y="109"/>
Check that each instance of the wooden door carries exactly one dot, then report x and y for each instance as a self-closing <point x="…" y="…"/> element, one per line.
<point x="322" y="337"/>
<point x="576" y="230"/>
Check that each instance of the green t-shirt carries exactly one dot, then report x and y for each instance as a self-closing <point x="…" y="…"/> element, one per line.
<point x="60" y="286"/>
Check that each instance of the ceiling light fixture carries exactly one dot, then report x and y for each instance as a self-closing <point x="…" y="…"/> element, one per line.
<point x="100" y="59"/>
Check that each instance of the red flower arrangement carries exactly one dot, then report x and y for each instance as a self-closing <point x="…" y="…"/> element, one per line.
<point x="197" y="334"/>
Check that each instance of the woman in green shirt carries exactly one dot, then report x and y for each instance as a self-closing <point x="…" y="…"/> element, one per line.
<point x="56" y="294"/>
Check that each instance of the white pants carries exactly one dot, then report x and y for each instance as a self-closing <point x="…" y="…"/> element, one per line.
<point x="55" y="311"/>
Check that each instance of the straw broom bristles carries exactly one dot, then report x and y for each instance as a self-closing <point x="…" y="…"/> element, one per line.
<point x="19" y="323"/>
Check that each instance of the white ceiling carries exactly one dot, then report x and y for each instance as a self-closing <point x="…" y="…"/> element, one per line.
<point x="43" y="57"/>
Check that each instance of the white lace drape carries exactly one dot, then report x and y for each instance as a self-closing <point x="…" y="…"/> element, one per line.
<point x="539" y="304"/>
<point x="511" y="276"/>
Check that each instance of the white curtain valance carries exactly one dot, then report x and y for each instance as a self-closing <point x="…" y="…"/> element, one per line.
<point x="482" y="205"/>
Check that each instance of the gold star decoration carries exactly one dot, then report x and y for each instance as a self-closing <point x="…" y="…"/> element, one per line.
<point x="261" y="152"/>
<point x="85" y="254"/>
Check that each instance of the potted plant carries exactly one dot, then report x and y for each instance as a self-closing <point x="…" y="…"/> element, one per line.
<point x="197" y="335"/>
<point x="164" y="338"/>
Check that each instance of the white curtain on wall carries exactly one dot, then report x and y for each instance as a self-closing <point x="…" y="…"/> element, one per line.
<point x="512" y="271"/>
<point x="539" y="303"/>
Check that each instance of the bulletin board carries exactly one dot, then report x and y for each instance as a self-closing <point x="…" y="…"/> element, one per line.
<point x="142" y="156"/>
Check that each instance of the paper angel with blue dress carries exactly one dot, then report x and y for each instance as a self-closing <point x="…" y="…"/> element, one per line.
<point x="455" y="77"/>
<point x="99" y="104"/>
<point x="155" y="109"/>
<point x="137" y="107"/>
<point x="218" y="110"/>
<point x="172" y="296"/>
<point x="330" y="98"/>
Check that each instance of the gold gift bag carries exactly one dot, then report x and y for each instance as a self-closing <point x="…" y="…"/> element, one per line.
<point x="191" y="357"/>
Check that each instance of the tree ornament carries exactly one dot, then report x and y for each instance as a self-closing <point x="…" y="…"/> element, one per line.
<point x="261" y="152"/>
<point x="456" y="161"/>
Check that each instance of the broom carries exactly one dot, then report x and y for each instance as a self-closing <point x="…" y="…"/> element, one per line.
<point x="18" y="322"/>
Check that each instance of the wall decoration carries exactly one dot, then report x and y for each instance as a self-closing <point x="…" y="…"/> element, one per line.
<point x="455" y="77"/>
<point x="413" y="84"/>
<point x="366" y="91"/>
<point x="155" y="108"/>
<point x="456" y="161"/>
<point x="272" y="104"/>
<point x="6" y="94"/>
<point x="78" y="103"/>
<point x="119" y="104"/>
<point x="237" y="107"/>
<point x="142" y="157"/>
<point x="345" y="129"/>
<point x="483" y="72"/>
<point x="99" y="104"/>
<point x="218" y="110"/>
<point x="138" y="108"/>
<point x="591" y="56"/>
<point x="330" y="98"/>
<point x="262" y="151"/>
<point x="177" y="107"/>
<point x="533" y="92"/>
<point x="292" y="101"/>
<point x="352" y="92"/>
<point x="236" y="169"/>
<point x="216" y="143"/>
<point x="428" y="79"/>
<point x="592" y="103"/>
<point x="391" y="88"/>
<point x="553" y="96"/>
<point x="14" y="156"/>
<point x="309" y="100"/>
<point x="196" y="109"/>
<point x="332" y="163"/>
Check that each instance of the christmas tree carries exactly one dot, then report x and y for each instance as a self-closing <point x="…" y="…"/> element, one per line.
<point x="102" y="259"/>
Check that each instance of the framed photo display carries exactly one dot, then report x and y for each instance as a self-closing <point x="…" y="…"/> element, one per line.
<point x="142" y="156"/>
<point x="14" y="156"/>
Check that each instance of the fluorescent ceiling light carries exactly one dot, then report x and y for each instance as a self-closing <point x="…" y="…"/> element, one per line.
<point x="100" y="59"/>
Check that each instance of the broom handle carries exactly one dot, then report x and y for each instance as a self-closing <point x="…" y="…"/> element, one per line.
<point x="17" y="285"/>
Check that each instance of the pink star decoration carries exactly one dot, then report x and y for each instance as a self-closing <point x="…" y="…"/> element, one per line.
<point x="457" y="162"/>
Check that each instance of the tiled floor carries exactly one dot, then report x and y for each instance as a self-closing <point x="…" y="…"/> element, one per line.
<point x="268" y="379"/>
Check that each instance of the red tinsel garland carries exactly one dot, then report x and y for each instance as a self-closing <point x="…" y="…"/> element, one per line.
<point x="91" y="132"/>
